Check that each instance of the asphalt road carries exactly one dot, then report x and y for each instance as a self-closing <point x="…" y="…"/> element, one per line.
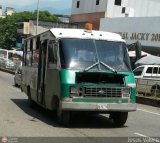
<point x="17" y="119"/>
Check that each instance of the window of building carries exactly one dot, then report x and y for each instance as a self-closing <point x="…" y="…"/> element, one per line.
<point x="78" y="3"/>
<point x="123" y="9"/>
<point x="97" y="2"/>
<point x="118" y="2"/>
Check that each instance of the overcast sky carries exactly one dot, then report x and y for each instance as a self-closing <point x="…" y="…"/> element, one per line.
<point x="23" y="2"/>
<point x="42" y="3"/>
<point x="31" y="5"/>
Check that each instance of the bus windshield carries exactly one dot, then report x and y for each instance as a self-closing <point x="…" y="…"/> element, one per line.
<point x="80" y="54"/>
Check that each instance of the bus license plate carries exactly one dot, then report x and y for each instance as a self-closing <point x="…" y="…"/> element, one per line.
<point x="102" y="106"/>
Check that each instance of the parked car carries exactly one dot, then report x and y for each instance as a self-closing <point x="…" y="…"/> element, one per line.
<point x="2" y="61"/>
<point x="17" y="77"/>
<point x="8" y="64"/>
<point x="148" y="79"/>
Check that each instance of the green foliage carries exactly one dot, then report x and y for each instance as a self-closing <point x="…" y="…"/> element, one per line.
<point x="8" y="27"/>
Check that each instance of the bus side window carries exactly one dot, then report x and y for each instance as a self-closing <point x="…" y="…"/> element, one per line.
<point x="24" y="53"/>
<point x="29" y="53"/>
<point x="36" y="44"/>
<point x="35" y="58"/>
<point x="52" y="54"/>
<point x="28" y="58"/>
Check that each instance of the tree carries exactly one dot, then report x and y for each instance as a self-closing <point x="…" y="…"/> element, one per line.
<point x="8" y="27"/>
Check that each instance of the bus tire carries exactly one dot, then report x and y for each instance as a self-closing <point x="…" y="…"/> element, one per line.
<point x="30" y="101"/>
<point x="119" y="118"/>
<point x="63" y="117"/>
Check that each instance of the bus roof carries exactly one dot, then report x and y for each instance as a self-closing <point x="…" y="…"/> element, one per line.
<point x="85" y="34"/>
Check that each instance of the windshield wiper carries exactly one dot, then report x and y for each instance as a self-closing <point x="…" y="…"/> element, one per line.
<point x="113" y="70"/>
<point x="92" y="66"/>
<point x="97" y="63"/>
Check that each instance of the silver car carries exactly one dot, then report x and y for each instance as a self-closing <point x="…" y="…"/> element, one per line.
<point x="8" y="64"/>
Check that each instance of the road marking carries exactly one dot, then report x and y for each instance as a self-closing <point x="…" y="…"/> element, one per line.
<point x="140" y="135"/>
<point x="149" y="112"/>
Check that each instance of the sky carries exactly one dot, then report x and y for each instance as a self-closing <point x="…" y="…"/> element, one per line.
<point x="22" y="5"/>
<point x="27" y="2"/>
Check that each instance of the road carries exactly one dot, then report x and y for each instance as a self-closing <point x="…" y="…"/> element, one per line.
<point x="17" y="119"/>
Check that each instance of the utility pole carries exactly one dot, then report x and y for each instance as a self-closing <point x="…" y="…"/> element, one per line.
<point x="37" y="17"/>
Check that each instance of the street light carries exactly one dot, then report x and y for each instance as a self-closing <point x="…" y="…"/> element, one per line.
<point x="37" y="17"/>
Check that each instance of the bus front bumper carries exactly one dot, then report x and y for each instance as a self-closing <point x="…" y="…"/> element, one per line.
<point x="81" y="106"/>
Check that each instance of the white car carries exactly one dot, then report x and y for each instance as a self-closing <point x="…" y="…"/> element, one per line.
<point x="148" y="79"/>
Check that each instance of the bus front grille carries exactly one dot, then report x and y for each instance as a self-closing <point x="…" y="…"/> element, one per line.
<point x="102" y="92"/>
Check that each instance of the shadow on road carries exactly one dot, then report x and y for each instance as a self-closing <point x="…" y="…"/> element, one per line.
<point x="37" y="112"/>
<point x="81" y="120"/>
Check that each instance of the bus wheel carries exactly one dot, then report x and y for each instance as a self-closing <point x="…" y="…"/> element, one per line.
<point x="30" y="101"/>
<point x="119" y="118"/>
<point x="63" y="117"/>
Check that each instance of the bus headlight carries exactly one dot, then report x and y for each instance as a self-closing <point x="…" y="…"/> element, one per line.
<point x="132" y="85"/>
<point x="126" y="92"/>
<point x="74" y="91"/>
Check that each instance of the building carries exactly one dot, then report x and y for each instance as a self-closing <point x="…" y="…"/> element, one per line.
<point x="9" y="11"/>
<point x="0" y="10"/>
<point x="30" y="28"/>
<point x="63" y="18"/>
<point x="146" y="30"/>
<point x="93" y="10"/>
<point x="88" y="11"/>
<point x="134" y="20"/>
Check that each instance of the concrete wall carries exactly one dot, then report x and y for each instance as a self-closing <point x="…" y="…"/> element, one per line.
<point x="133" y="8"/>
<point x="146" y="29"/>
<point x="116" y="10"/>
<point x="143" y="8"/>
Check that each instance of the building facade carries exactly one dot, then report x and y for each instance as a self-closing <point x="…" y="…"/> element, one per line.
<point x="9" y="11"/>
<point x="92" y="11"/>
<point x="132" y="29"/>
<point x="0" y="10"/>
<point x="88" y="11"/>
<point x="30" y="28"/>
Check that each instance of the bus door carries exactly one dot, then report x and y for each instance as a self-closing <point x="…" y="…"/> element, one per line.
<point x="52" y="88"/>
<point x="41" y="73"/>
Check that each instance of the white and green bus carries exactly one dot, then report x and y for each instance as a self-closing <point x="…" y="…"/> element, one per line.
<point x="72" y="70"/>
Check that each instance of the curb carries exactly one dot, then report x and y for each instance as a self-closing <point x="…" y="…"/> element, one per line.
<point x="148" y="101"/>
<point x="7" y="70"/>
